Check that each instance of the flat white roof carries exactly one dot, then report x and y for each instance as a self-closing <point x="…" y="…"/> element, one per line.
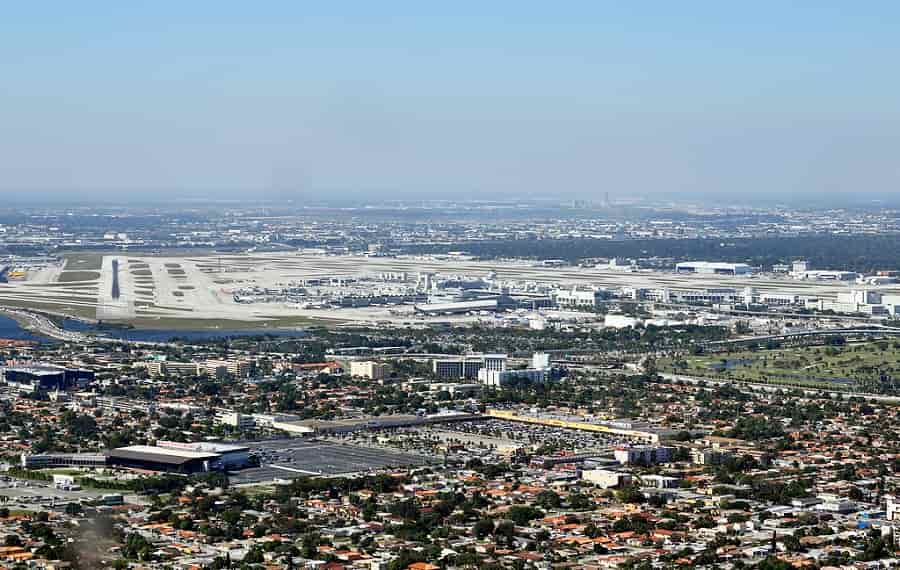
<point x="477" y="304"/>
<point x="204" y="446"/>
<point x="716" y="264"/>
<point x="182" y="453"/>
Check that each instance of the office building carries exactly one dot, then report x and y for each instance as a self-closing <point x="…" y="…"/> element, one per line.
<point x="709" y="456"/>
<point x="170" y="368"/>
<point x="580" y="299"/>
<point x="234" y="419"/>
<point x="124" y="405"/>
<point x="369" y="369"/>
<point x="659" y="482"/>
<point x="495" y="362"/>
<point x="467" y="367"/>
<point x="499" y="378"/>
<point x="237" y="368"/>
<point x="643" y="454"/>
<point x="43" y="378"/>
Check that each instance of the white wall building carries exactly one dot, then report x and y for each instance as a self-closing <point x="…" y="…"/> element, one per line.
<point x="713" y="268"/>
<point x="369" y="369"/>
<point x="540" y="360"/>
<point x="579" y="299"/>
<point x="502" y="377"/>
<point x="645" y="454"/>
<point x="606" y="479"/>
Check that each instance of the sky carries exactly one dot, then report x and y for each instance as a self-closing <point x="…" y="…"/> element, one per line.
<point x="505" y="99"/>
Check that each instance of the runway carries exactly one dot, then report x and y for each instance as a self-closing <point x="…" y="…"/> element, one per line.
<point x="201" y="288"/>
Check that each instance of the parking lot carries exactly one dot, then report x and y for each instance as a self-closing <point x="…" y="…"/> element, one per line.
<point x="529" y="434"/>
<point x="292" y="458"/>
<point x="39" y="495"/>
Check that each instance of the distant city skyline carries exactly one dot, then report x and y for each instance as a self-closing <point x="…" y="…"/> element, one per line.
<point x="288" y="101"/>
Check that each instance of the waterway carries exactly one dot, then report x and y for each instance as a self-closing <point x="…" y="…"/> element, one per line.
<point x="11" y="329"/>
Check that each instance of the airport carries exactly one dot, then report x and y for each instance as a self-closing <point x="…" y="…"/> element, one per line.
<point x="295" y="289"/>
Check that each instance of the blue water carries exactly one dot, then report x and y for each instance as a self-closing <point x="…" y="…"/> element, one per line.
<point x="164" y="335"/>
<point x="9" y="328"/>
<point x="729" y="364"/>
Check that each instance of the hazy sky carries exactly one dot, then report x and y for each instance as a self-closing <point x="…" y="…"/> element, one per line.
<point x="440" y="99"/>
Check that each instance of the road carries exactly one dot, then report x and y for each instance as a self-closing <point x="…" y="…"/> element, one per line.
<point x="42" y="325"/>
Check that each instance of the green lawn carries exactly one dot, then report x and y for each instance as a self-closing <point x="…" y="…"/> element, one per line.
<point x="69" y="276"/>
<point x="869" y="366"/>
<point x="83" y="261"/>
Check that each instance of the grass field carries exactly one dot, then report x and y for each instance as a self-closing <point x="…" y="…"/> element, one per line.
<point x="57" y="308"/>
<point x="69" y="276"/>
<point x="869" y="366"/>
<point x="84" y="261"/>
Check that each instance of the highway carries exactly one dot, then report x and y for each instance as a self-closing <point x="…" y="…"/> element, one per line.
<point x="43" y="325"/>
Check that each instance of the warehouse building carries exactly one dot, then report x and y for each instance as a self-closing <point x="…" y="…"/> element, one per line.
<point x="713" y="268"/>
<point x="230" y="456"/>
<point x="44" y="461"/>
<point x="458" y="307"/>
<point x="827" y="275"/>
<point x="45" y="377"/>
<point x="163" y="459"/>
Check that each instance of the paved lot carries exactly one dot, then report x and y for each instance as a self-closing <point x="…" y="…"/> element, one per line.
<point x="38" y="495"/>
<point x="292" y="458"/>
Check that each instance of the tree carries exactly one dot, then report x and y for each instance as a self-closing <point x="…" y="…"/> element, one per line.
<point x="580" y="502"/>
<point x="548" y="500"/>
<point x="73" y="509"/>
<point x="522" y="515"/>
<point x="483" y="528"/>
